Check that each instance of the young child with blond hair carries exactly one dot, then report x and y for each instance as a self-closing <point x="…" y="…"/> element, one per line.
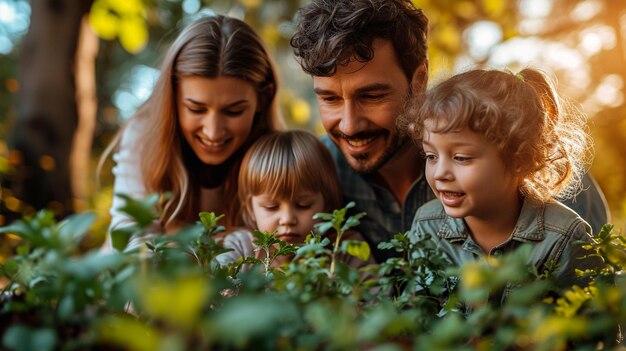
<point x="500" y="150"/>
<point x="285" y="178"/>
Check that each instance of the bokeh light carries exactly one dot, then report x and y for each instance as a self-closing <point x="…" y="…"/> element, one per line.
<point x="14" y="22"/>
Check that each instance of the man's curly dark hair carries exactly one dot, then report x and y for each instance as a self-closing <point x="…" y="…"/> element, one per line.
<point x="334" y="32"/>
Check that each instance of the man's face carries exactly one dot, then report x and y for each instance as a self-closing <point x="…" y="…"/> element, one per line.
<point x="359" y="106"/>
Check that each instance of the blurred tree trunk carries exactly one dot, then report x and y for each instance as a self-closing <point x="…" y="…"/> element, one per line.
<point x="87" y="106"/>
<point x="41" y="140"/>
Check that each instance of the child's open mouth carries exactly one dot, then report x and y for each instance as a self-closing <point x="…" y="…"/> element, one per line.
<point x="451" y="198"/>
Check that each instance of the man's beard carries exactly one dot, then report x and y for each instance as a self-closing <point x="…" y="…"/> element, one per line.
<point x="399" y="140"/>
<point x="360" y="165"/>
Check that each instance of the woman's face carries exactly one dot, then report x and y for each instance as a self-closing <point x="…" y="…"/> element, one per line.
<point x="215" y="115"/>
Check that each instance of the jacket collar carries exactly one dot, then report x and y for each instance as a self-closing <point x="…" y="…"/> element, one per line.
<point x="529" y="226"/>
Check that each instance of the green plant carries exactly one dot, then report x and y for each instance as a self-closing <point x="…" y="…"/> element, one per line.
<point x="169" y="293"/>
<point x="54" y="293"/>
<point x="338" y="221"/>
<point x="271" y="248"/>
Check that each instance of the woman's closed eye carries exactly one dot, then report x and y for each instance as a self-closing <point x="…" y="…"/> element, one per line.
<point x="236" y="108"/>
<point x="235" y="112"/>
<point x="196" y="110"/>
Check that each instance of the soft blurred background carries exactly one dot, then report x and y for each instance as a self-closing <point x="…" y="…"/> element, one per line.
<point x="73" y="71"/>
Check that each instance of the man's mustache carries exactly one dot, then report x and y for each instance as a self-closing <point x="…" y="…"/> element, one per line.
<point x="360" y="135"/>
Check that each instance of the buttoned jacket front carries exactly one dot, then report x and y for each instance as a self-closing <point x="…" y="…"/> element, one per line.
<point x="553" y="230"/>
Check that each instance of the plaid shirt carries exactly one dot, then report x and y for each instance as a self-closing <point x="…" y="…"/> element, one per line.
<point x="385" y="217"/>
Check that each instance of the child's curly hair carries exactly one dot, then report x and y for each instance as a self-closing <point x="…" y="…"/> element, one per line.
<point x="541" y="138"/>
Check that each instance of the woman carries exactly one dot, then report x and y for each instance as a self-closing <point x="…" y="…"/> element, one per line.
<point x="215" y="96"/>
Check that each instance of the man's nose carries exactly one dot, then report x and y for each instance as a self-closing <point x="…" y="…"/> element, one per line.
<point x="352" y="121"/>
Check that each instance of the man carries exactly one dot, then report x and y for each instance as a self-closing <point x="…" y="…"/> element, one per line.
<point x="367" y="57"/>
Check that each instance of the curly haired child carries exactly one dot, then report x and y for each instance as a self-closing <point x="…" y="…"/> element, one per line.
<point x="500" y="150"/>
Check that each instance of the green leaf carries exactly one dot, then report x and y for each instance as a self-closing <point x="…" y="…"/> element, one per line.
<point x="19" y="228"/>
<point x="248" y="317"/>
<point x="323" y="227"/>
<point x="605" y="231"/>
<point x="324" y="216"/>
<point x="128" y="333"/>
<point x="285" y="249"/>
<point x="265" y="239"/>
<point x="37" y="230"/>
<point x="92" y="264"/>
<point x="43" y="219"/>
<point x="161" y="298"/>
<point x="310" y="250"/>
<point x="184" y="236"/>
<point x="66" y="307"/>
<point x="10" y="268"/>
<point x="22" y="338"/>
<point x="209" y="222"/>
<point x="358" y="249"/>
<point x="335" y="219"/>
<point x="74" y="228"/>
<point x="121" y="236"/>
<point x="353" y="221"/>
<point x="141" y="211"/>
<point x="23" y="250"/>
<point x="43" y="279"/>
<point x="400" y="242"/>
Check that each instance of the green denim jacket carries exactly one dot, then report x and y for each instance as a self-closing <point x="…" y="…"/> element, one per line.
<point x="551" y="229"/>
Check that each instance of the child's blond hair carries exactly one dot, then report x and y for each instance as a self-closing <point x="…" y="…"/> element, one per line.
<point x="281" y="163"/>
<point x="541" y="138"/>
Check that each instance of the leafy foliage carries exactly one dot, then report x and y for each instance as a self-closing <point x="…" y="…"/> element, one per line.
<point x="171" y="294"/>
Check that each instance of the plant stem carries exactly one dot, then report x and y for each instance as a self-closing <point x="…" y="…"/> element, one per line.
<point x="267" y="261"/>
<point x="333" y="257"/>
